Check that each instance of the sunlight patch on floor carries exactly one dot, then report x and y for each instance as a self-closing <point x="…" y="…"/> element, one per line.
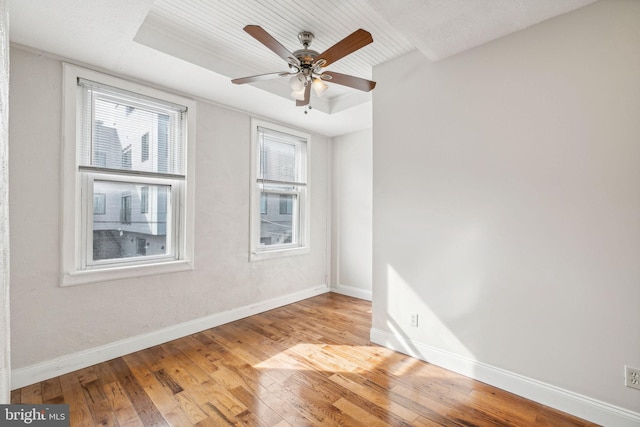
<point x="350" y="359"/>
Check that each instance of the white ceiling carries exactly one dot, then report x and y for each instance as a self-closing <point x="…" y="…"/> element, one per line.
<point x="197" y="46"/>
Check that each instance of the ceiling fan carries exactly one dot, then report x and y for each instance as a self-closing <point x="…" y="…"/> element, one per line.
<point x="306" y="65"/>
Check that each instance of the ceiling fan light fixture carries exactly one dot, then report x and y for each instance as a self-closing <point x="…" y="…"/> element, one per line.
<point x="319" y="87"/>
<point x="297" y="82"/>
<point x="298" y="94"/>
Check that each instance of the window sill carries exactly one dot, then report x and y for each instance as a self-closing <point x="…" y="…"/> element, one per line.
<point x="126" y="272"/>
<point x="277" y="253"/>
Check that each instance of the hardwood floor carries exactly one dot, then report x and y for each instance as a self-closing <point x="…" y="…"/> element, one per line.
<point x="305" y="364"/>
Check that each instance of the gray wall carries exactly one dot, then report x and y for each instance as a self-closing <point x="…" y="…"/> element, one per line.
<point x="506" y="201"/>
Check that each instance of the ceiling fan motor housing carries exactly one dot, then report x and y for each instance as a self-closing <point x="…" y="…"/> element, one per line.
<point x="306" y="56"/>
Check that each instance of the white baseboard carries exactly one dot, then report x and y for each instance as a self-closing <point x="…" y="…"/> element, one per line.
<point x="52" y="368"/>
<point x="564" y="400"/>
<point x="352" y="291"/>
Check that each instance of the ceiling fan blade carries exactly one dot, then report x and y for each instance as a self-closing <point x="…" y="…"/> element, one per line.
<point x="347" y="80"/>
<point x="259" y="77"/>
<point x="307" y="95"/>
<point x="344" y="47"/>
<point x="266" y="39"/>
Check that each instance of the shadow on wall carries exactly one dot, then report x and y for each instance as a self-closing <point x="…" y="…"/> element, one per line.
<point x="403" y="303"/>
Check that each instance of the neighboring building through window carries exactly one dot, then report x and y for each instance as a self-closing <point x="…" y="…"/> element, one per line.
<point x="279" y="214"/>
<point x="130" y="157"/>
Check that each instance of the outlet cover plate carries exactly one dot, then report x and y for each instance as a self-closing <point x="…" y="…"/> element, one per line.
<point x="632" y="377"/>
<point x="413" y="319"/>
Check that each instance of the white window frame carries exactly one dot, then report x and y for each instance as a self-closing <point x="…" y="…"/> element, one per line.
<point x="77" y="219"/>
<point x="302" y="221"/>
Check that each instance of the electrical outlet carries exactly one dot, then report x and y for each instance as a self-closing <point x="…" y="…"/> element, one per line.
<point x="632" y="377"/>
<point x="413" y="319"/>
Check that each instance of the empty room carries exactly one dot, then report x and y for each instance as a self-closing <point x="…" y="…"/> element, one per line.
<point x="337" y="213"/>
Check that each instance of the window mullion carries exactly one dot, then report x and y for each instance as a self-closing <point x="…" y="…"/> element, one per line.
<point x="133" y="173"/>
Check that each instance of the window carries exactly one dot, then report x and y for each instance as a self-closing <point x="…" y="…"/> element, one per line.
<point x="125" y="210"/>
<point x="145" y="147"/>
<point x="280" y="204"/>
<point x="263" y="204"/>
<point x="141" y="246"/>
<point x="99" y="204"/>
<point x="125" y="216"/>
<point x="144" y="200"/>
<point x="126" y="158"/>
<point x="286" y="204"/>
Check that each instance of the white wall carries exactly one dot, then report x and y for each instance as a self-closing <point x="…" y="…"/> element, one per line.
<point x="5" y="357"/>
<point x="507" y="203"/>
<point x="50" y="322"/>
<point x="351" y="215"/>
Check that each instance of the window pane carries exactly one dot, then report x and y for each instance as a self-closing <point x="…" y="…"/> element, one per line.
<point x="277" y="161"/>
<point x="277" y="228"/>
<point x="123" y="230"/>
<point x="130" y="138"/>
<point x="123" y="131"/>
